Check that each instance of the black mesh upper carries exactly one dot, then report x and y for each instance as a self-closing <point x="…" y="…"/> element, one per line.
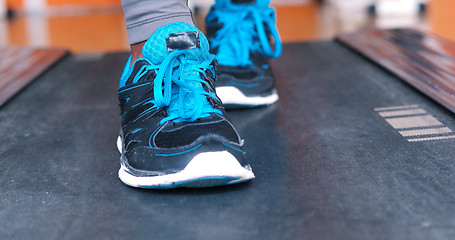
<point x="175" y="135"/>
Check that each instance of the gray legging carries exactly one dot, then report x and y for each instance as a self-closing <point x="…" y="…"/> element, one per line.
<point x="143" y="17"/>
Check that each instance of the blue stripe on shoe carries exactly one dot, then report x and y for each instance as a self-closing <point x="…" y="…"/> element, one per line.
<point x="229" y="146"/>
<point x="141" y="85"/>
<point x="136" y="130"/>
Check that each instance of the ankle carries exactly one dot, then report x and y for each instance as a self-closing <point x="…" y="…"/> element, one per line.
<point x="136" y="51"/>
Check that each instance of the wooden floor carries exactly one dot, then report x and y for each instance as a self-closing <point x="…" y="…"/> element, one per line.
<point x="103" y="30"/>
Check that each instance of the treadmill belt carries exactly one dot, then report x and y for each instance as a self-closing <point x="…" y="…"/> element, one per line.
<point x="333" y="159"/>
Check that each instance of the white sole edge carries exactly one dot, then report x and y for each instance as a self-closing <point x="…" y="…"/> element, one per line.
<point x="208" y="166"/>
<point x="231" y="95"/>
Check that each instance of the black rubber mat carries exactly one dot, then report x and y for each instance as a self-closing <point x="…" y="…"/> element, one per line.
<point x="329" y="162"/>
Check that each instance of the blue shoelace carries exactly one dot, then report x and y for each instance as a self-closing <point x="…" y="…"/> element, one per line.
<point x="240" y="32"/>
<point x="179" y="87"/>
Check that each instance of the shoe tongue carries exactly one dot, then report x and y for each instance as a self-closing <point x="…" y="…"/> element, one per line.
<point x="176" y="36"/>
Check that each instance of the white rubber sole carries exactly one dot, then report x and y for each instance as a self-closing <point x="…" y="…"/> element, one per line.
<point x="231" y="95"/>
<point x="204" y="170"/>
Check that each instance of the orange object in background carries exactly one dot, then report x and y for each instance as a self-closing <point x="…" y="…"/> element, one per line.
<point x="14" y="4"/>
<point x="82" y="2"/>
<point x="297" y="22"/>
<point x="19" y="4"/>
<point x="96" y="32"/>
<point x="17" y="32"/>
<point x="441" y="17"/>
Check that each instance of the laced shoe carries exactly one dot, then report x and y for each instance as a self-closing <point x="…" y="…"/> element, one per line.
<point x="175" y="131"/>
<point x="240" y="34"/>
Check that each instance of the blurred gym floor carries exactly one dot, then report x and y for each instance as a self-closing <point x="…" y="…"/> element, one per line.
<point x="101" y="28"/>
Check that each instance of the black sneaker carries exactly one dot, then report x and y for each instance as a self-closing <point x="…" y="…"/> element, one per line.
<point x="240" y="36"/>
<point x="175" y="132"/>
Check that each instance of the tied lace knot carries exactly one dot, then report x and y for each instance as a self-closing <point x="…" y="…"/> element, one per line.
<point x="237" y="36"/>
<point x="178" y="86"/>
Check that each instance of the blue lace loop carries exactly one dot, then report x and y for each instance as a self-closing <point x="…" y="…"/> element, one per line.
<point x="243" y="31"/>
<point x="179" y="87"/>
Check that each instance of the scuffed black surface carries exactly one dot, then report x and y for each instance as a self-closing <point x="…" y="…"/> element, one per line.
<point x="327" y="165"/>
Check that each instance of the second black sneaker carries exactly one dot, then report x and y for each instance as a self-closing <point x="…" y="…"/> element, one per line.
<point x="240" y="34"/>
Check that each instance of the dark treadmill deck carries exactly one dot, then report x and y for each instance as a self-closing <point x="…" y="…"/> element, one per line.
<point x="328" y="166"/>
